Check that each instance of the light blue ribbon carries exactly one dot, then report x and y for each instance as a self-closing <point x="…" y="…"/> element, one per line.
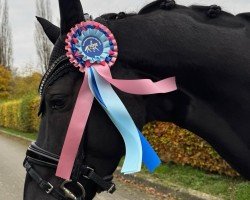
<point x="138" y="148"/>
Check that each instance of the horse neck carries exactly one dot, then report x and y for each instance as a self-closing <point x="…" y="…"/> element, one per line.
<point x="165" y="43"/>
<point x="150" y="43"/>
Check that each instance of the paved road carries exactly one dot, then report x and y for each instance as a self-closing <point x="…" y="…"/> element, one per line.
<point x="12" y="175"/>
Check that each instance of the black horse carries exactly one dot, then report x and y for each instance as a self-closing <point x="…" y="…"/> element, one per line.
<point x="205" y="48"/>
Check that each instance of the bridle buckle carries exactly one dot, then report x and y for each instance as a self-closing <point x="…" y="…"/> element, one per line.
<point x="49" y="190"/>
<point x="111" y="189"/>
<point x="68" y="193"/>
<point x="90" y="170"/>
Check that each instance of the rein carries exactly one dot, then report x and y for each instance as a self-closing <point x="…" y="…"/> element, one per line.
<point x="38" y="156"/>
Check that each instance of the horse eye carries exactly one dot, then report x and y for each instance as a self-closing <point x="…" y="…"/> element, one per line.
<point x="57" y="104"/>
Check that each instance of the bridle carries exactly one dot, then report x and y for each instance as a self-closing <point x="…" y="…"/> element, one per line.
<point x="40" y="157"/>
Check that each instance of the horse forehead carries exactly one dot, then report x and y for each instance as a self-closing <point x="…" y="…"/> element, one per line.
<point x="65" y="84"/>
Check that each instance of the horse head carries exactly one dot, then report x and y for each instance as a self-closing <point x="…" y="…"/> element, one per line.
<point x="205" y="48"/>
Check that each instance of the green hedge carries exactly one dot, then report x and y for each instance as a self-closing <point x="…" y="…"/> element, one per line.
<point x="183" y="147"/>
<point x="20" y="114"/>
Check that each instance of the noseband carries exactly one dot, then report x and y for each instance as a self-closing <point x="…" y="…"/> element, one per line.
<point x="38" y="156"/>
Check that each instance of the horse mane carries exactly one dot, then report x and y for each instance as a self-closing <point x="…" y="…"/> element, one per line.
<point x="156" y="5"/>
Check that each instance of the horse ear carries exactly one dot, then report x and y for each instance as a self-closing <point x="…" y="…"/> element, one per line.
<point x="52" y="31"/>
<point x="71" y="13"/>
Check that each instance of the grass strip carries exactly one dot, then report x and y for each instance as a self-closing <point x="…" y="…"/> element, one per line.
<point x="172" y="175"/>
<point x="20" y="134"/>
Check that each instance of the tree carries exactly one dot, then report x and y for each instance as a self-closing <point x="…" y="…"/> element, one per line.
<point x="43" y="45"/>
<point x="27" y="85"/>
<point x="5" y="82"/>
<point x="6" y="52"/>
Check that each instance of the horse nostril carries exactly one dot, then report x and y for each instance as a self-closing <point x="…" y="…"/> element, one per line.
<point x="214" y="11"/>
<point x="167" y="4"/>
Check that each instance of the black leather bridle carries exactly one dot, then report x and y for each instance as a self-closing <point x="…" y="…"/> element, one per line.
<point x="38" y="156"/>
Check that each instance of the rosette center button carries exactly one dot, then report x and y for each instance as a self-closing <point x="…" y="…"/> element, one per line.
<point x="92" y="47"/>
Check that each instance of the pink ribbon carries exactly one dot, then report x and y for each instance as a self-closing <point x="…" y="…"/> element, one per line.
<point x="75" y="130"/>
<point x="141" y="86"/>
<point x="83" y="106"/>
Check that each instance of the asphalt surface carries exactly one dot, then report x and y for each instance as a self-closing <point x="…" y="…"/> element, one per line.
<point x="12" y="173"/>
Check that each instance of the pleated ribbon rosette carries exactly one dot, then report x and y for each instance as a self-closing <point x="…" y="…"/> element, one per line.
<point x="92" y="48"/>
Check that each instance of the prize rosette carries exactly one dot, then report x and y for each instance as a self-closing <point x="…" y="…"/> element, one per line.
<point x="89" y="43"/>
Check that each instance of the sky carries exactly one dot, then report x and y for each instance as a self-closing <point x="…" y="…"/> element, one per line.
<point x="22" y="20"/>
